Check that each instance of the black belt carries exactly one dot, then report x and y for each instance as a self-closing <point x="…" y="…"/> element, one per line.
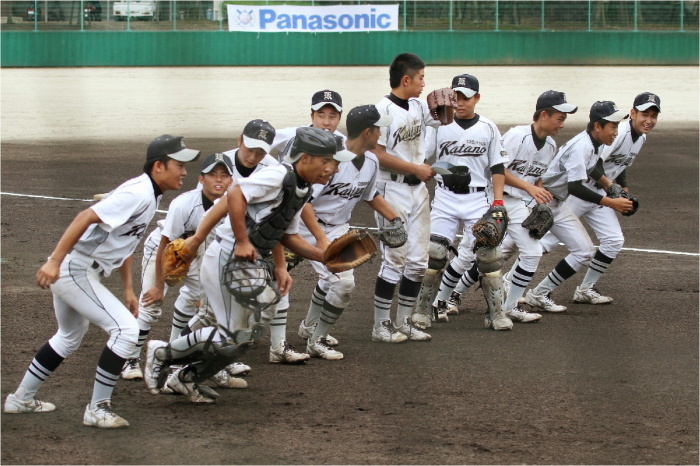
<point x="411" y="180"/>
<point x="468" y="190"/>
<point x="325" y="223"/>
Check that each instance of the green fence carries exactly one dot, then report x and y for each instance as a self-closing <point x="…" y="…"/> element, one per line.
<point x="448" y="15"/>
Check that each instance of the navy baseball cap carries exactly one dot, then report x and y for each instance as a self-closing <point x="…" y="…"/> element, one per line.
<point x="646" y="100"/>
<point x="606" y="110"/>
<point x="326" y="97"/>
<point x="556" y="100"/>
<point x="218" y="158"/>
<point x="258" y="134"/>
<point x="466" y="84"/>
<point x="171" y="146"/>
<point x="365" y="116"/>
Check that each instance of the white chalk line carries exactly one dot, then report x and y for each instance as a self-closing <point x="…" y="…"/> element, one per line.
<point x="650" y="251"/>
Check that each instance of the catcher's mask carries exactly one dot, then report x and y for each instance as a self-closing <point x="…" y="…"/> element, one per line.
<point x="250" y="283"/>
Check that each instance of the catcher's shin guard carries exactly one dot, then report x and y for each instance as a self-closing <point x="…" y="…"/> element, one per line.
<point x="492" y="286"/>
<point x="422" y="313"/>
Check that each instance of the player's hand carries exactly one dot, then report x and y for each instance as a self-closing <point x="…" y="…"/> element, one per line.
<point x="245" y="251"/>
<point x="131" y="302"/>
<point x="48" y="274"/>
<point x="284" y="280"/>
<point x="540" y="195"/>
<point x="193" y="243"/>
<point x="424" y="172"/>
<point x="154" y="295"/>
<point x="620" y="204"/>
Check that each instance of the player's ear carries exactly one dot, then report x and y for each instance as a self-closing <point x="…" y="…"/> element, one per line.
<point x="200" y="179"/>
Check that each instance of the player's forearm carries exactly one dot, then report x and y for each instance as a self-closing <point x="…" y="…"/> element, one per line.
<point x="236" y="211"/>
<point x="75" y="230"/>
<point x="278" y="256"/>
<point x="308" y="216"/>
<point x="514" y="181"/>
<point x="125" y="275"/>
<point x="301" y="247"/>
<point x="159" y="282"/>
<point x="498" y="183"/>
<point x="382" y="207"/>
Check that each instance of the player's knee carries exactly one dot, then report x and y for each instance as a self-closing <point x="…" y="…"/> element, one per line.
<point x="489" y="260"/>
<point x="390" y="274"/>
<point x="414" y="272"/>
<point x="149" y="315"/>
<point x="345" y="286"/>
<point x="66" y="344"/>
<point x="438" y="252"/>
<point x="529" y="263"/>
<point x="611" y="246"/>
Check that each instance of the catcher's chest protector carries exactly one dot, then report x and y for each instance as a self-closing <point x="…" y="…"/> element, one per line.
<point x="267" y="233"/>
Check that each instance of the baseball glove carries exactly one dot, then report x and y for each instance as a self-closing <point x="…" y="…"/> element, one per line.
<point x="615" y="191"/>
<point x="540" y="221"/>
<point x="349" y="251"/>
<point x="490" y="229"/>
<point x="441" y="104"/>
<point x="393" y="234"/>
<point x="176" y="261"/>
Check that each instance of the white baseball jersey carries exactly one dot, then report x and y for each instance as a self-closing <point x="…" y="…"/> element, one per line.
<point x="622" y="152"/>
<point x="263" y="192"/>
<point x="125" y="214"/>
<point x="404" y="138"/>
<point x="478" y="147"/>
<point x="184" y="214"/>
<point x="284" y="135"/>
<point x="574" y="161"/>
<point x="333" y="203"/>
<point x="525" y="160"/>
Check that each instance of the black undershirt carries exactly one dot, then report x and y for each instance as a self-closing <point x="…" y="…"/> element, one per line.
<point x="206" y="202"/>
<point x="156" y="188"/>
<point x="539" y="143"/>
<point x="359" y="161"/>
<point x="467" y="123"/>
<point x="242" y="169"/>
<point x="398" y="101"/>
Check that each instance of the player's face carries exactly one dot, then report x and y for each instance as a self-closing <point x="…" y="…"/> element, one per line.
<point x="170" y="175"/>
<point x="644" y="122"/>
<point x="552" y="124"/>
<point x="415" y="85"/>
<point x="317" y="170"/>
<point x="466" y="105"/>
<point x="249" y="158"/>
<point x="216" y="182"/>
<point x="326" y="118"/>
<point x="607" y="134"/>
<point x="372" y="138"/>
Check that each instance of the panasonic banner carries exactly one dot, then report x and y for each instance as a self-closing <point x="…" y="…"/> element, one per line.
<point x="290" y="18"/>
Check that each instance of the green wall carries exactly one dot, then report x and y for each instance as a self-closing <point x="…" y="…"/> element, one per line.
<point x="181" y="48"/>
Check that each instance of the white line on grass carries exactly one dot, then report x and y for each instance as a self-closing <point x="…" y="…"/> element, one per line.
<point x="651" y="251"/>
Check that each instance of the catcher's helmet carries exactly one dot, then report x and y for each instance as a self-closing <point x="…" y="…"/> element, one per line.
<point x="312" y="141"/>
<point x="248" y="281"/>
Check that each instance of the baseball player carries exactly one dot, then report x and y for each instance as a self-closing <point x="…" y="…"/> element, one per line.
<point x="99" y="240"/>
<point x="530" y="150"/>
<point x="327" y="216"/>
<point x="263" y="209"/>
<point x="401" y="181"/>
<point x="603" y="220"/>
<point x="567" y="174"/>
<point x="184" y="214"/>
<point x="462" y="198"/>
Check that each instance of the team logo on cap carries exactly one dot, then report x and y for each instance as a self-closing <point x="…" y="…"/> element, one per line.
<point x="327" y="96"/>
<point x="652" y="98"/>
<point x="461" y="82"/>
<point x="563" y="96"/>
<point x="614" y="106"/>
<point x="262" y="134"/>
<point x="219" y="158"/>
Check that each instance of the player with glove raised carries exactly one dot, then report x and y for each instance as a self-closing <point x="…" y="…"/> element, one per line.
<point x="616" y="158"/>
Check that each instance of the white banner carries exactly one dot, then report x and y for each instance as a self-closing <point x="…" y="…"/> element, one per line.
<point x="290" y="18"/>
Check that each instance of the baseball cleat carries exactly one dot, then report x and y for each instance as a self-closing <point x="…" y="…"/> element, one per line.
<point x="14" y="405"/>
<point x="421" y="320"/>
<point x="519" y="315"/>
<point x="412" y="332"/>
<point x="387" y="333"/>
<point x="224" y="380"/>
<point x="103" y="416"/>
<point x="307" y="331"/>
<point x="285" y="354"/>
<point x="499" y="323"/>
<point x="590" y="296"/>
<point x="321" y="349"/>
<point x="543" y="302"/>
<point x="238" y="368"/>
<point x="152" y="370"/>
<point x="131" y="370"/>
<point x="453" y="303"/>
<point x="189" y="389"/>
<point x="440" y="312"/>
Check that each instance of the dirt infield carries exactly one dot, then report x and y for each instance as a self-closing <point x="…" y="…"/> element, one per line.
<point x="613" y="384"/>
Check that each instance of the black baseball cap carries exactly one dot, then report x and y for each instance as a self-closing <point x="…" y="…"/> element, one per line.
<point x="556" y="100"/>
<point x="466" y="84"/>
<point x="326" y="97"/>
<point x="219" y="158"/>
<point x="606" y="110"/>
<point x="171" y="146"/>
<point x="645" y="100"/>
<point x="258" y="134"/>
<point x="365" y="116"/>
<point x="342" y="153"/>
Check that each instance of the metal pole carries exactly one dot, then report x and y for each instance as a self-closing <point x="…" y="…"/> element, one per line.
<point x="221" y="16"/>
<point x="682" y="18"/>
<point x="404" y="13"/>
<point x="175" y="12"/>
<point x="82" y="15"/>
<point x="589" y="15"/>
<point x="542" y="16"/>
<point x="636" y="10"/>
<point x="36" y="13"/>
<point x="496" y="28"/>
<point x="451" y="16"/>
<point x="128" y="16"/>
